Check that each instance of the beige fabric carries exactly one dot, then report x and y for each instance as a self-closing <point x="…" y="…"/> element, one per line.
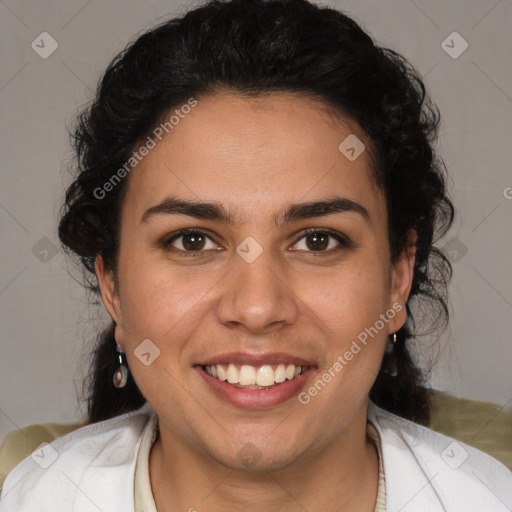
<point x="483" y="425"/>
<point x="380" y="505"/>
<point x="144" y="501"/>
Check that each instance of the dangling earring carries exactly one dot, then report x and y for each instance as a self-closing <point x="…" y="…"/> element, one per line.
<point x="390" y="343"/>
<point x="391" y="369"/>
<point x="121" y="374"/>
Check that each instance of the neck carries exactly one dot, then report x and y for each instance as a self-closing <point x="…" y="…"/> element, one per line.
<point x="343" y="476"/>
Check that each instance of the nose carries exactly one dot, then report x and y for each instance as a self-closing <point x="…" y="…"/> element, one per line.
<point x="257" y="296"/>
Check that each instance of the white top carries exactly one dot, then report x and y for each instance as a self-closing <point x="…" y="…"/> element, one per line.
<point x="93" y="468"/>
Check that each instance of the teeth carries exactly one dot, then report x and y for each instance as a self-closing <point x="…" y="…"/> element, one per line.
<point x="280" y="374"/>
<point x="254" y="377"/>
<point x="247" y="375"/>
<point x="221" y="373"/>
<point x="233" y="374"/>
<point x="265" y="376"/>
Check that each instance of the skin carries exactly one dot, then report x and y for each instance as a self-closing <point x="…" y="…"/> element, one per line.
<point x="256" y="156"/>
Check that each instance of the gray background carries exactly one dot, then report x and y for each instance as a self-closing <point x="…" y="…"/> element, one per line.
<point x="45" y="318"/>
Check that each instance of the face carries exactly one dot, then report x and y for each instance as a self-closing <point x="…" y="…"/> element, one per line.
<point x="265" y="292"/>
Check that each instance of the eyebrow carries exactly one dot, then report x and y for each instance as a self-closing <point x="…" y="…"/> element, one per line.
<point x="215" y="211"/>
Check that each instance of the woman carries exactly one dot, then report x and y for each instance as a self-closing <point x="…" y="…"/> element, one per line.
<point x="257" y="201"/>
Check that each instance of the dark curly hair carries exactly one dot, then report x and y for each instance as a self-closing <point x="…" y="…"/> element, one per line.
<point x="256" y="47"/>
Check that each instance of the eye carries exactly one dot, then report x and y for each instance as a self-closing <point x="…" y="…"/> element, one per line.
<point x="319" y="240"/>
<point x="191" y="241"/>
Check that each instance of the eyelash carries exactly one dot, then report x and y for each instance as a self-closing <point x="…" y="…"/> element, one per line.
<point x="342" y="239"/>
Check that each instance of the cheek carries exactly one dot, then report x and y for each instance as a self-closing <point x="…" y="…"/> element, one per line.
<point x="156" y="299"/>
<point x="350" y="310"/>
<point x="350" y="297"/>
<point x="151" y="300"/>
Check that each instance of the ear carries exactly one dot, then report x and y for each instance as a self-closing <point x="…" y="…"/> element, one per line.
<point x="110" y="296"/>
<point x="401" y="282"/>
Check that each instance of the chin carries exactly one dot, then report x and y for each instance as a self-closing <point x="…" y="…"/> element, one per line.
<point x="258" y="453"/>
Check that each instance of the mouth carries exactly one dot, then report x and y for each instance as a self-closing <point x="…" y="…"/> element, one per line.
<point x="255" y="381"/>
<point x="254" y="377"/>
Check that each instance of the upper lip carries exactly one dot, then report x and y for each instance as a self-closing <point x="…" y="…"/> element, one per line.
<point x="256" y="359"/>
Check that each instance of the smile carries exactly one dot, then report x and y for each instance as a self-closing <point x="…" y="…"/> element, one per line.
<point x="254" y="377"/>
<point x="255" y="381"/>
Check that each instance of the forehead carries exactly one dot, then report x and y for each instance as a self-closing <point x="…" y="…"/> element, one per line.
<point x="254" y="153"/>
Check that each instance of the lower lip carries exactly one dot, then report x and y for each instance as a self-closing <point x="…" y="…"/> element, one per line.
<point x="256" y="398"/>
